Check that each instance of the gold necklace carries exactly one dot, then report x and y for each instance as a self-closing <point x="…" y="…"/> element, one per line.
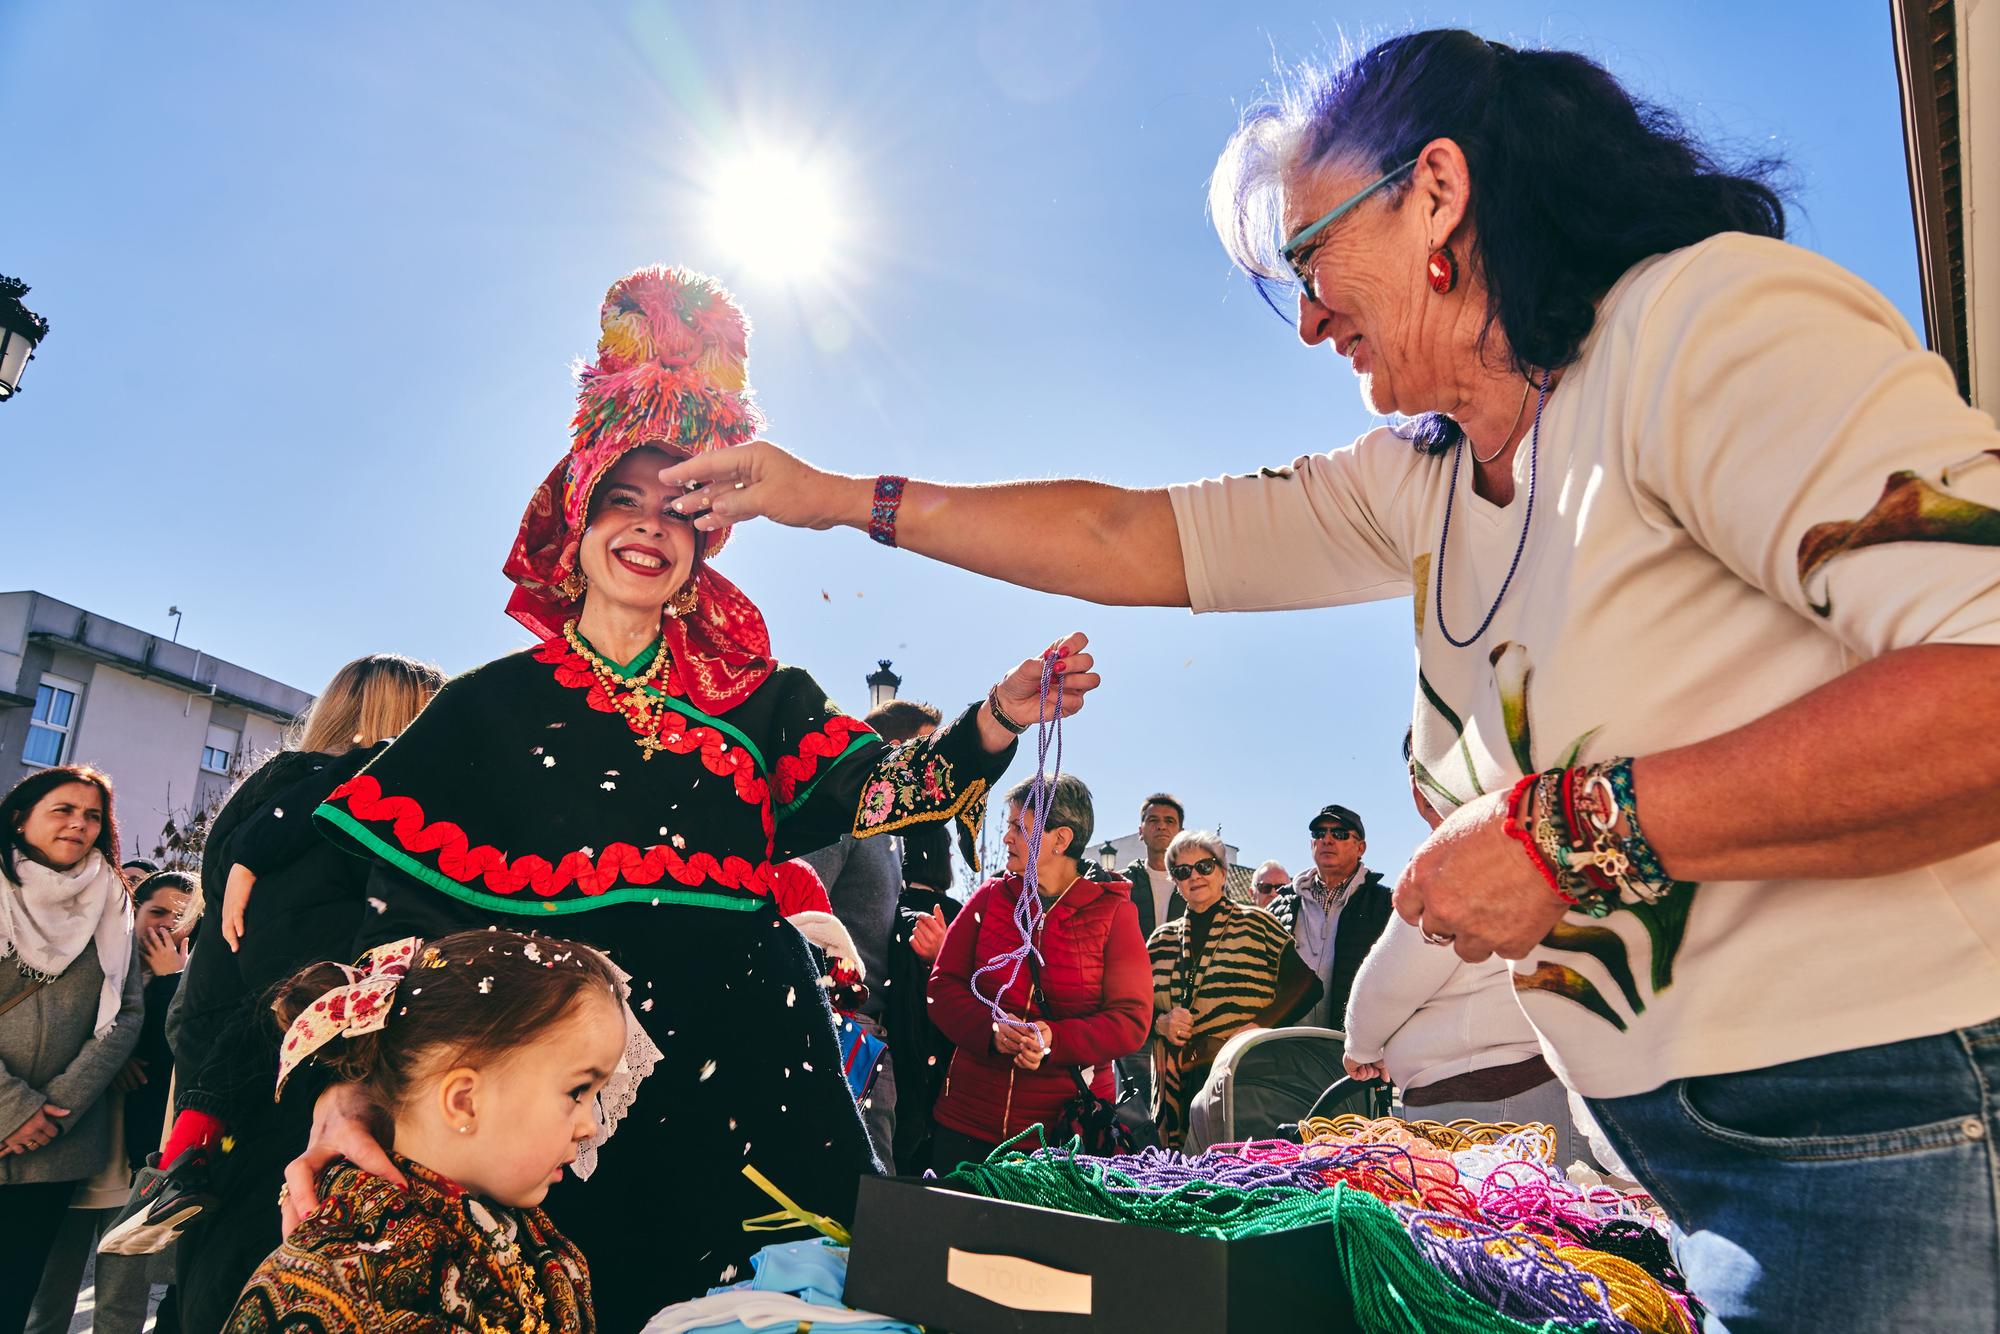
<point x="634" y="697"/>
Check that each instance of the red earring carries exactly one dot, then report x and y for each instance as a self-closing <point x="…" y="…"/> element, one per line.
<point x="1443" y="270"/>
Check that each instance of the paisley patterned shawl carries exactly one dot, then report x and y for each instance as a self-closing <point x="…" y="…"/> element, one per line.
<point x="377" y="1259"/>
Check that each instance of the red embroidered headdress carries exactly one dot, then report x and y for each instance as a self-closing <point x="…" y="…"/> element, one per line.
<point x="670" y="373"/>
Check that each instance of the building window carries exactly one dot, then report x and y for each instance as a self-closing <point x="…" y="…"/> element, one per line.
<point x="52" y="722"/>
<point x="220" y="750"/>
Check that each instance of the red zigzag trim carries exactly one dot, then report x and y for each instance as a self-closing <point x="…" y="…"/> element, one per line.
<point x="830" y="741"/>
<point x="465" y="863"/>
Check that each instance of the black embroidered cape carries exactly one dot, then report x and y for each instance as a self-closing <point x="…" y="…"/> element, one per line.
<point x="522" y="788"/>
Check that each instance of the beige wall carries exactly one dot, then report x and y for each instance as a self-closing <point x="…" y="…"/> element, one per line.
<point x="148" y="737"/>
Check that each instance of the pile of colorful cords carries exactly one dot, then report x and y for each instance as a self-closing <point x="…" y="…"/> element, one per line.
<point x="1461" y="1227"/>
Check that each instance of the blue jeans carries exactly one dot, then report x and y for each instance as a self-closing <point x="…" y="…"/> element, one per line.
<point x="1858" y="1191"/>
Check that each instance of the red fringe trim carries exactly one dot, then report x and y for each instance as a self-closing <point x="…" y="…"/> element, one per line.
<point x="829" y="742"/>
<point x="458" y="858"/>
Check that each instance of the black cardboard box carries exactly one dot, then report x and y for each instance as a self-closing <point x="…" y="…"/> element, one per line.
<point x="932" y="1254"/>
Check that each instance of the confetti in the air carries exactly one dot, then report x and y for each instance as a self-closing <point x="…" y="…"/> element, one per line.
<point x="485" y="986"/>
<point x="707" y="1069"/>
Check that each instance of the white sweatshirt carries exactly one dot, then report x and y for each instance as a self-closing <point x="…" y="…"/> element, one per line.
<point x="1427" y="1015"/>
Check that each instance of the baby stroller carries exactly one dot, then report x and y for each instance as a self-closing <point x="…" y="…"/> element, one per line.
<point x="1269" y="1078"/>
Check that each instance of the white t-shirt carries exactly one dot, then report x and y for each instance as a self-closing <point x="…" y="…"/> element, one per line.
<point x="1161" y="880"/>
<point x="1696" y="560"/>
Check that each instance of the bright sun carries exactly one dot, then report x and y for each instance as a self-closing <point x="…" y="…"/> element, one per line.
<point x="778" y="213"/>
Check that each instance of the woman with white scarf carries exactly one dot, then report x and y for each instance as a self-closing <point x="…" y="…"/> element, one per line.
<point x="70" y="1006"/>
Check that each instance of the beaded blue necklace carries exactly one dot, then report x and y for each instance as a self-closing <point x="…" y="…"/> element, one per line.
<point x="1444" y="539"/>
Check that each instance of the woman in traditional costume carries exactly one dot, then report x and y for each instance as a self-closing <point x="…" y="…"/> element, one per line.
<point x="630" y="782"/>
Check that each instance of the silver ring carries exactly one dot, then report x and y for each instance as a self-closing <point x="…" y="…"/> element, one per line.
<point x="1436" y="939"/>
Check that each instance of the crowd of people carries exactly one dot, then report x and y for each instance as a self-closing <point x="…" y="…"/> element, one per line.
<point x="508" y="979"/>
<point x="201" y="1179"/>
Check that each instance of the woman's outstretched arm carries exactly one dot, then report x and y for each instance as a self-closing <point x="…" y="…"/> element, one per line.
<point x="1090" y="540"/>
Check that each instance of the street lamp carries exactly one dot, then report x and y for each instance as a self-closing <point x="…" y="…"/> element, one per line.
<point x="21" y="331"/>
<point x="1107" y="856"/>
<point x="882" y="685"/>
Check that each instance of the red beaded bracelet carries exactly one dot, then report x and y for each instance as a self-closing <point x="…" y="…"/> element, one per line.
<point x="882" y="514"/>
<point x="1527" y="839"/>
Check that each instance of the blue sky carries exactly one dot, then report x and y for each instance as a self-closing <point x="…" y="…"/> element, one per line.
<point x="316" y="274"/>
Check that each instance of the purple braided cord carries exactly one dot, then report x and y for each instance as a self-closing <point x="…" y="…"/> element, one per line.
<point x="1028" y="910"/>
<point x="1528" y="1282"/>
<point x="1444" y="540"/>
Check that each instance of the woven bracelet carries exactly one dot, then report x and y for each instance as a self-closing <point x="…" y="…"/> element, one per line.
<point x="882" y="513"/>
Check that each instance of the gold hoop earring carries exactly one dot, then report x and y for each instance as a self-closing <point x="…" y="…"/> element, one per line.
<point x="685" y="601"/>
<point x="573" y="585"/>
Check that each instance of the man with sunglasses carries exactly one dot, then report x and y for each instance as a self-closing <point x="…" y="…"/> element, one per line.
<point x="1339" y="907"/>
<point x="1271" y="890"/>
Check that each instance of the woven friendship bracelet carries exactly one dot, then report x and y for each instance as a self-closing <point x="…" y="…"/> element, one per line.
<point x="882" y="514"/>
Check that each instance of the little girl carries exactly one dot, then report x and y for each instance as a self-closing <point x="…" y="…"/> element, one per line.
<point x="484" y="1052"/>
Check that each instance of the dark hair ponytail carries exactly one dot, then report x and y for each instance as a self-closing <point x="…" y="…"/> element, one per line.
<point x="1573" y="179"/>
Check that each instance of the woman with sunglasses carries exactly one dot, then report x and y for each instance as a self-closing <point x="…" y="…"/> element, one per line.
<point x="1224" y="967"/>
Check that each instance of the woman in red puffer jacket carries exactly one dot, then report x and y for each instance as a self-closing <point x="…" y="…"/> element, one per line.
<point x="1097" y="986"/>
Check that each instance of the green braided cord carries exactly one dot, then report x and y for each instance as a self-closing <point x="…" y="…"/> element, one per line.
<point x="1395" y="1290"/>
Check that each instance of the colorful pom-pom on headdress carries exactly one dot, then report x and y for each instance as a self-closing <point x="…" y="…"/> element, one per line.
<point x="670" y="372"/>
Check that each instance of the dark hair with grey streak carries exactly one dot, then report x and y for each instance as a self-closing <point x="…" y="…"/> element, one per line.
<point x="1069" y="808"/>
<point x="1573" y="179"/>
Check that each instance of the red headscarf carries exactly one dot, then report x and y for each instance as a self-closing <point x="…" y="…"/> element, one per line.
<point x="670" y="373"/>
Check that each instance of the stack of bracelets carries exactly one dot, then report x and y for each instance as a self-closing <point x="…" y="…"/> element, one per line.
<point x="1580" y="827"/>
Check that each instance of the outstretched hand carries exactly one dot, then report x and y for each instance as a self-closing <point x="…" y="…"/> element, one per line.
<point x="1470" y="886"/>
<point x="760" y="480"/>
<point x="1020" y="691"/>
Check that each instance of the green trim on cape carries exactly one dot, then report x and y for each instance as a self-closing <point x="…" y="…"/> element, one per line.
<point x="531" y="907"/>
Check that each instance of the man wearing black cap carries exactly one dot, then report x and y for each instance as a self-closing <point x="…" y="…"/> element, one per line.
<point x="1340" y="907"/>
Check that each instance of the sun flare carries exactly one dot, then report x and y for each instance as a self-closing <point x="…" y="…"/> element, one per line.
<point x="779" y="213"/>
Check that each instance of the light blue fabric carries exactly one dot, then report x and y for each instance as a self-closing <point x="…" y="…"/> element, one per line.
<point x="812" y="1272"/>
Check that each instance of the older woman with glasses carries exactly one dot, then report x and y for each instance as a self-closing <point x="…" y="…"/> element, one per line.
<point x="1222" y="968"/>
<point x="1706" y="554"/>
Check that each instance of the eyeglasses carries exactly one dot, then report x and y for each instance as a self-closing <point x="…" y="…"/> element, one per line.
<point x="1182" y="870"/>
<point x="1338" y="833"/>
<point x="1271" y="888"/>
<point x="1306" y="233"/>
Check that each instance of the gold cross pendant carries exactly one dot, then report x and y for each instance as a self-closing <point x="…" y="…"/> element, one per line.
<point x="650" y="745"/>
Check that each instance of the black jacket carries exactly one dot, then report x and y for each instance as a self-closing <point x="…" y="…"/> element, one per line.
<point x="1362" y="920"/>
<point x="1142" y="898"/>
<point x="306" y="908"/>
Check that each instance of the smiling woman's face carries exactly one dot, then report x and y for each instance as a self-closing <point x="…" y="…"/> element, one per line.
<point x="1201" y="889"/>
<point x="635" y="551"/>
